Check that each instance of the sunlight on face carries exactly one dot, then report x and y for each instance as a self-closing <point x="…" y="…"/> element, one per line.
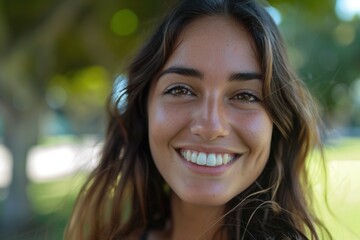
<point x="209" y="132"/>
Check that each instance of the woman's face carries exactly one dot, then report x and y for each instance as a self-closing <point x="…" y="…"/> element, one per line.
<point x="209" y="132"/>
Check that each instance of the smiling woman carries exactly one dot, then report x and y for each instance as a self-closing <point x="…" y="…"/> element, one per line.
<point x="207" y="123"/>
<point x="214" y="137"/>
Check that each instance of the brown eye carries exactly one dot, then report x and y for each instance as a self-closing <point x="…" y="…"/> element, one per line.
<point x="246" y="97"/>
<point x="178" y="90"/>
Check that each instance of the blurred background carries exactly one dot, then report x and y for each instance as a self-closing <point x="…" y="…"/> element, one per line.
<point x="60" y="58"/>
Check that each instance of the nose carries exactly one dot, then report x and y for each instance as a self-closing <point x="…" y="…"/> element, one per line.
<point x="210" y="120"/>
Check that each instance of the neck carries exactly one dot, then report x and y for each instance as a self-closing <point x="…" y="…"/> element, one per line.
<point x="195" y="222"/>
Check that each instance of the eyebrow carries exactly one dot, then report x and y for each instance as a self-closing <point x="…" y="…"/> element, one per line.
<point x="191" y="72"/>
<point x="185" y="71"/>
<point x="245" y="76"/>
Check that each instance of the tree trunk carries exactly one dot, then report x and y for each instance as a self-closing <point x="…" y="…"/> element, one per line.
<point x="21" y="133"/>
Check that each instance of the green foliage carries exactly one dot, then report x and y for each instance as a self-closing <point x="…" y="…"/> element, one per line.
<point x="124" y="22"/>
<point x="325" y="52"/>
<point x="81" y="96"/>
<point x="315" y="7"/>
<point x="65" y="40"/>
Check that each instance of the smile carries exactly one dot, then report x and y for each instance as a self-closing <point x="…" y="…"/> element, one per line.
<point x="207" y="159"/>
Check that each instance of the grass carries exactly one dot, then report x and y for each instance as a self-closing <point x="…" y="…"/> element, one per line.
<point x="51" y="206"/>
<point x="343" y="149"/>
<point x="343" y="189"/>
<point x="52" y="201"/>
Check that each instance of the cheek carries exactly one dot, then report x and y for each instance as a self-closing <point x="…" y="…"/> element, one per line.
<point x="256" y="128"/>
<point x="162" y="121"/>
<point x="165" y="122"/>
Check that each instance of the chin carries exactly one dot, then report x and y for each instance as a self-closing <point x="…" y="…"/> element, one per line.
<point x="206" y="199"/>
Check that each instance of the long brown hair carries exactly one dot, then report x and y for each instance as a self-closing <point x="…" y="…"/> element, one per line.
<point x="125" y="195"/>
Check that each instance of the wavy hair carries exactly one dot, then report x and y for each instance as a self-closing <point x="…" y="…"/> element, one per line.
<point x="125" y="195"/>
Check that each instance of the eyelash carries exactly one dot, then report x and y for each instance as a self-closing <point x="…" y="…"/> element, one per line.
<point x="175" y="91"/>
<point x="181" y="90"/>
<point x="250" y="97"/>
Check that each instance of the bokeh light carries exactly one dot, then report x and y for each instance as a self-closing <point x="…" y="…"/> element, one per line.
<point x="56" y="97"/>
<point x="344" y="34"/>
<point x="5" y="167"/>
<point x="119" y="93"/>
<point x="347" y="9"/>
<point x="275" y="14"/>
<point x="124" y="22"/>
<point x="355" y="91"/>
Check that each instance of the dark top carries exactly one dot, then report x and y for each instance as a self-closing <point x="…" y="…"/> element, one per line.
<point x="144" y="236"/>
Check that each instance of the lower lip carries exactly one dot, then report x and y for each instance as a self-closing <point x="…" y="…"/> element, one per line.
<point x="206" y="170"/>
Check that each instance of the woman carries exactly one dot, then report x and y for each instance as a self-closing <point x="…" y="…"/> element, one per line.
<point x="213" y="140"/>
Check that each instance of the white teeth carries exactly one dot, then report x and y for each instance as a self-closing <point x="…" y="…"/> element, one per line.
<point x="201" y="159"/>
<point x="210" y="159"/>
<point x="226" y="158"/>
<point x="219" y="159"/>
<point x="187" y="154"/>
<point x="193" y="157"/>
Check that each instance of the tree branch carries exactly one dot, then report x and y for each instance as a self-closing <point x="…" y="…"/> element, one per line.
<point x="14" y="62"/>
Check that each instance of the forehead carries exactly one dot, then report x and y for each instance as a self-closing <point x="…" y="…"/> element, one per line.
<point x="215" y="41"/>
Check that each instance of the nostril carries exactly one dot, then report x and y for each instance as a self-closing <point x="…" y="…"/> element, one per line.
<point x="209" y="130"/>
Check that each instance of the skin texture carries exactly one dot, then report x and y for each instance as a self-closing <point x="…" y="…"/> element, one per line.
<point x="213" y="106"/>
